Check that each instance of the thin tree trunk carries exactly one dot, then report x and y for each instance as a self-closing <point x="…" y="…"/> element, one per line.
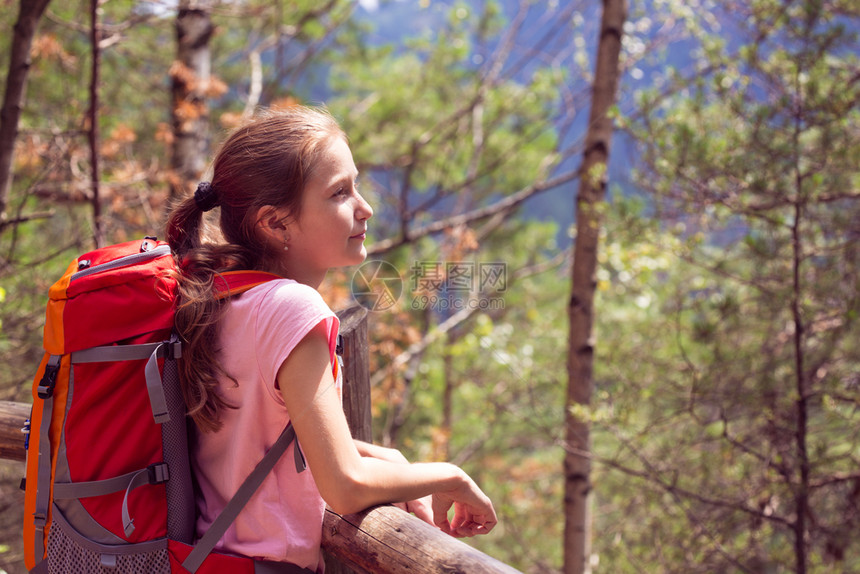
<point x="93" y="134"/>
<point x="190" y="82"/>
<point x="802" y="489"/>
<point x="444" y="444"/>
<point x="29" y="14"/>
<point x="580" y="366"/>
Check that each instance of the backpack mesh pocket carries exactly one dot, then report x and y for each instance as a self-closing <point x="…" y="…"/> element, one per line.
<point x="69" y="553"/>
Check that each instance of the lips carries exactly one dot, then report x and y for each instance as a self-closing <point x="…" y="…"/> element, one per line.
<point x="359" y="235"/>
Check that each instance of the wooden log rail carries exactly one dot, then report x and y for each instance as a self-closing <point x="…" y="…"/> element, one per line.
<point x="381" y="540"/>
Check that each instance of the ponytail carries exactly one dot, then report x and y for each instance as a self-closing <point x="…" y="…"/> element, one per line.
<point x="199" y="309"/>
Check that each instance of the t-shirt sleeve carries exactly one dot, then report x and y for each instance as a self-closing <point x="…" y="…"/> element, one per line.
<point x="287" y="313"/>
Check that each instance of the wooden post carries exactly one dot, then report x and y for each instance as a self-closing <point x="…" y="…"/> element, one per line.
<point x="386" y="540"/>
<point x="356" y="398"/>
<point x="356" y="372"/>
<point x="12" y="419"/>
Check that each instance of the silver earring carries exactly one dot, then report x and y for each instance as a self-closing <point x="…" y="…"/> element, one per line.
<point x="286" y="246"/>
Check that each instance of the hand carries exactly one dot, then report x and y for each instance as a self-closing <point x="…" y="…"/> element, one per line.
<point x="421" y="508"/>
<point x="473" y="511"/>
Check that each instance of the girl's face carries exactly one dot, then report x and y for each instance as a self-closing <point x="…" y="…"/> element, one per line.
<point x="331" y="226"/>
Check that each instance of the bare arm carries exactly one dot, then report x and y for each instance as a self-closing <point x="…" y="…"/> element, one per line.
<point x="377" y="451"/>
<point x="422" y="507"/>
<point x="350" y="482"/>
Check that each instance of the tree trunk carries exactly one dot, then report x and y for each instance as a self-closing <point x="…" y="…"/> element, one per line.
<point x="802" y="489"/>
<point x="93" y="135"/>
<point x="592" y="192"/>
<point x="190" y="76"/>
<point x="442" y="443"/>
<point x="13" y="98"/>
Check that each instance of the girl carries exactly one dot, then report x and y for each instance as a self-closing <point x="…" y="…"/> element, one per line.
<point x="286" y="187"/>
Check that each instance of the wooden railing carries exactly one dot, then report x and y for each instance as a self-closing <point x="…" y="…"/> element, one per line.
<point x="384" y="539"/>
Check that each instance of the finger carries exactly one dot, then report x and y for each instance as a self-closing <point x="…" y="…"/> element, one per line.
<point x="483" y="527"/>
<point x="462" y="516"/>
<point x="470" y="529"/>
<point x="421" y="509"/>
<point x="440" y="515"/>
<point x="473" y="525"/>
<point x="443" y="525"/>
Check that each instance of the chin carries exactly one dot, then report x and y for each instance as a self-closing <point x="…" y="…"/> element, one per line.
<point x="354" y="259"/>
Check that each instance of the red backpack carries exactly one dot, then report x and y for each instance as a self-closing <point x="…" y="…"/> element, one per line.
<point x="108" y="478"/>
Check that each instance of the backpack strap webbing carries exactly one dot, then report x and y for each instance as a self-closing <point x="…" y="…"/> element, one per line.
<point x="43" y="482"/>
<point x="232" y="283"/>
<point x="153" y="474"/>
<point x="150" y="351"/>
<point x="208" y="541"/>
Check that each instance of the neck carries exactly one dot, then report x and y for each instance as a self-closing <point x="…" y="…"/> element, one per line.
<point x="310" y="277"/>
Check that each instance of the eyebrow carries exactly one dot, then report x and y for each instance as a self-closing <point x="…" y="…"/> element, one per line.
<point x="336" y="181"/>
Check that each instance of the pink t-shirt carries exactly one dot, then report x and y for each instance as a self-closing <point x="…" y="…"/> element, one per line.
<point x="283" y="520"/>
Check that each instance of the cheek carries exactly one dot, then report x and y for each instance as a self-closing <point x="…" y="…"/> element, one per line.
<point x="323" y="225"/>
<point x="345" y="215"/>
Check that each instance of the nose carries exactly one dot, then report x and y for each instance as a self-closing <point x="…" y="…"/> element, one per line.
<point x="363" y="211"/>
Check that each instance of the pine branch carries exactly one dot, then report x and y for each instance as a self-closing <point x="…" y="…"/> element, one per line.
<point x="505" y="205"/>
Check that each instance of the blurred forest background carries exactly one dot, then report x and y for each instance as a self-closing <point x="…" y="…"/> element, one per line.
<point x="725" y="411"/>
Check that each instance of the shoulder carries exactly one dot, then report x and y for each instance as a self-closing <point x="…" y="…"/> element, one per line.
<point x="289" y="294"/>
<point x="274" y="317"/>
<point x="285" y="300"/>
<point x="289" y="290"/>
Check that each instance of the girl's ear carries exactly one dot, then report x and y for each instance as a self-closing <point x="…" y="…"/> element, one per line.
<point x="271" y="224"/>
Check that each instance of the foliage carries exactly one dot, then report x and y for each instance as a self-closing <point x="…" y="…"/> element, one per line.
<point x="445" y="128"/>
<point x="760" y="155"/>
<point x="505" y="372"/>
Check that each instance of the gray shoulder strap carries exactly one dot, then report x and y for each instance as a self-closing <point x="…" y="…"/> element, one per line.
<point x="205" y="545"/>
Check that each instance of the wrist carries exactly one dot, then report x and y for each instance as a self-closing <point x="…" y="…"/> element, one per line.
<point x="458" y="479"/>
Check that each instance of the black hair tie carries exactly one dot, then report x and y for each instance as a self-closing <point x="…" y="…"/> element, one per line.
<point x="205" y="196"/>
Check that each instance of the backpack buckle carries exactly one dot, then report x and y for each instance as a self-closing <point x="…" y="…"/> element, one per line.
<point x="171" y="349"/>
<point x="149" y="243"/>
<point x="49" y="378"/>
<point x="158" y="473"/>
